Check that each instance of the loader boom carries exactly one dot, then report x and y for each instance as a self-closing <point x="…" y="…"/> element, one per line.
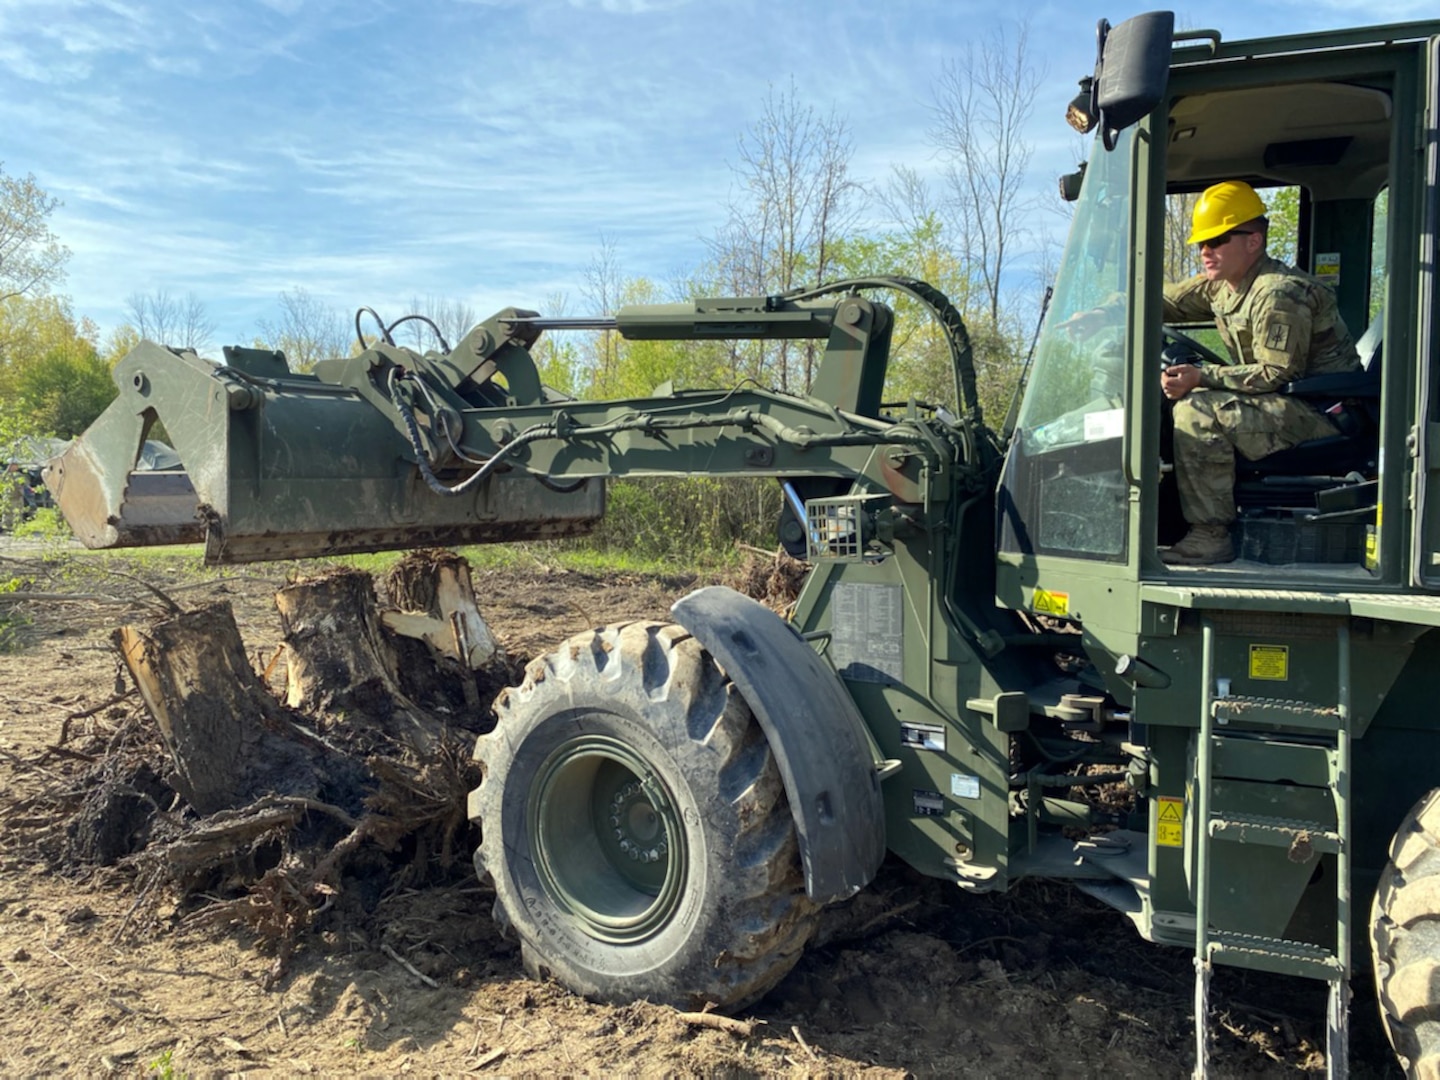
<point x="392" y="448"/>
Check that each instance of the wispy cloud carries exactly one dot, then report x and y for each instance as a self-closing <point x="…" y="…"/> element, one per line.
<point x="629" y="7"/>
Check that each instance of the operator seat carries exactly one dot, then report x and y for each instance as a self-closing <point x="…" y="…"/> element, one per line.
<point x="1352" y="401"/>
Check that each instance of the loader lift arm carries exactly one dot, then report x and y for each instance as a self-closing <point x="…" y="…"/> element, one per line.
<point x="392" y="448"/>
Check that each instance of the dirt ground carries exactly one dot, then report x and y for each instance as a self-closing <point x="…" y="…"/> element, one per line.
<point x="913" y="977"/>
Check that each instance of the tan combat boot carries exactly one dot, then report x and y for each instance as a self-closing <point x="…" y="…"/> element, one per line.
<point x="1203" y="545"/>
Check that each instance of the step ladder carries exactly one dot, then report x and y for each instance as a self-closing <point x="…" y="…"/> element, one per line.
<point x="1332" y="965"/>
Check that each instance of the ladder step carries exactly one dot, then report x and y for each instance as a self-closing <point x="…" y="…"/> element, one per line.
<point x="1255" y="710"/>
<point x="1278" y="955"/>
<point x="1275" y="832"/>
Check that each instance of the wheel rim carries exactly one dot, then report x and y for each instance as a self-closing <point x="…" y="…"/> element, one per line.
<point x="607" y="840"/>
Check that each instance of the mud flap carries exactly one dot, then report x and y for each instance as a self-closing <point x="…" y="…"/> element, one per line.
<point x="815" y="732"/>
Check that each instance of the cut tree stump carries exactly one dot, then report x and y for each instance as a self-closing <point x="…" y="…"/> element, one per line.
<point x="228" y="739"/>
<point x="337" y="656"/>
<point x="432" y="600"/>
<point x="288" y="809"/>
<point x="412" y="668"/>
<point x="432" y="593"/>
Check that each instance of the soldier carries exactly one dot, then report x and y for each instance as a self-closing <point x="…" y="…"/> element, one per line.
<point x="1279" y="324"/>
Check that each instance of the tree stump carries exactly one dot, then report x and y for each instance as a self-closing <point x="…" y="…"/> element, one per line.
<point x="435" y="585"/>
<point x="228" y="739"/>
<point x="337" y="657"/>
<point x="343" y="662"/>
<point x="432" y="607"/>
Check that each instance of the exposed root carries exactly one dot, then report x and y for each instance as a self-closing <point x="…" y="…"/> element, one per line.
<point x="217" y="800"/>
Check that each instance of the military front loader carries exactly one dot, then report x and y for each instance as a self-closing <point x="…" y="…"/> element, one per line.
<point x="986" y="635"/>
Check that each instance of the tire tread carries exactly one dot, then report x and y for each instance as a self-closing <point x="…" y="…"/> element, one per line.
<point x="768" y="912"/>
<point x="1404" y="919"/>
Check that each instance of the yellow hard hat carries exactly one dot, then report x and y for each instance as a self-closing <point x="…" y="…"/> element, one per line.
<point x="1223" y="207"/>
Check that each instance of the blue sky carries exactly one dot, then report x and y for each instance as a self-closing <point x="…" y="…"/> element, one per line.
<point x="473" y="150"/>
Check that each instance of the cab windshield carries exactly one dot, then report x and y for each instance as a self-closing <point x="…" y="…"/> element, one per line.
<point x="1063" y="490"/>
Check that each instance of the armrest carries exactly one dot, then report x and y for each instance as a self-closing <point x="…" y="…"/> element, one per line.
<point x="1336" y="384"/>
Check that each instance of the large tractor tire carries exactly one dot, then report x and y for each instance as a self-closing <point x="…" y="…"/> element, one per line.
<point x="1405" y="937"/>
<point x="636" y="828"/>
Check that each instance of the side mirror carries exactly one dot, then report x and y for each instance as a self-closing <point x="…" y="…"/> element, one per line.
<point x="1070" y="183"/>
<point x="1133" y="70"/>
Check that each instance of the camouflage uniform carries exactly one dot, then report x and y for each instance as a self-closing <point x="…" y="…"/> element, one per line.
<point x="1279" y="324"/>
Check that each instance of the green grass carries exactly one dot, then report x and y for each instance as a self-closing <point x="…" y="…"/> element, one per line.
<point x="188" y="559"/>
<point x="13" y="624"/>
<point x="44" y="524"/>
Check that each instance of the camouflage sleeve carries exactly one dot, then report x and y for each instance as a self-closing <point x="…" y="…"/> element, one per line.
<point x="1188" y="300"/>
<point x="1280" y="327"/>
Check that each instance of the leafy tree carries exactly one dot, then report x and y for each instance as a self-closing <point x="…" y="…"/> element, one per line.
<point x="603" y="285"/>
<point x="118" y="343"/>
<point x="636" y="368"/>
<point x="1283" y="210"/>
<point x="32" y="259"/>
<point x="64" y="392"/>
<point x="558" y="356"/>
<point x="52" y="379"/>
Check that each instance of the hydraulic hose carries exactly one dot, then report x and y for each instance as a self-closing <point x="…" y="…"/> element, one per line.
<point x="529" y="435"/>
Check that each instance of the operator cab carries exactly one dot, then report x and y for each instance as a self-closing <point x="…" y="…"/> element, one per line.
<point x="1328" y="138"/>
<point x="1318" y="153"/>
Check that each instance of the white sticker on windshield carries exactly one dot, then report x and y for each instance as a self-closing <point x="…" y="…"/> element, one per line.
<point x="1106" y="424"/>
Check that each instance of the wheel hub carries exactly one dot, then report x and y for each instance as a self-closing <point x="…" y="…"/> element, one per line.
<point x="606" y="839"/>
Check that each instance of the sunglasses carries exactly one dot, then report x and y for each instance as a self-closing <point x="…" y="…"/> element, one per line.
<point x="1224" y="238"/>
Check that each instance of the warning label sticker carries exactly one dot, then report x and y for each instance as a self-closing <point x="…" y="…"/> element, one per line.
<point x="1170" y="822"/>
<point x="1327" y="267"/>
<point x="1045" y="602"/>
<point x="928" y="803"/>
<point x="1270" y="662"/>
<point x="964" y="786"/>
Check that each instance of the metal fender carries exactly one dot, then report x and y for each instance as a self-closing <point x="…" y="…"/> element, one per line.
<point x="815" y="731"/>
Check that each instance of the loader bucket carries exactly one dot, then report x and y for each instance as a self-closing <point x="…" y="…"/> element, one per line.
<point x="278" y="466"/>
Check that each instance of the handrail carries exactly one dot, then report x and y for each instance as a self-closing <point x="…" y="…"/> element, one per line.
<point x="1387" y="34"/>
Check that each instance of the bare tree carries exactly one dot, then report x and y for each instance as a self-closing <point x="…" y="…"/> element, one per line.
<point x="603" y="285"/>
<point x="1181" y="260"/>
<point x="196" y="326"/>
<point x="982" y="103"/>
<point x="795" y="198"/>
<point x="155" y="315"/>
<point x="31" y="258"/>
<point x="182" y="322"/>
<point x="452" y="320"/>
<point x="306" y="331"/>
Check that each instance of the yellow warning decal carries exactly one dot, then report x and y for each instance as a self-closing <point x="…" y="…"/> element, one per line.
<point x="1169" y="822"/>
<point x="1045" y="602"/>
<point x="1372" y="548"/>
<point x="1270" y="662"/>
